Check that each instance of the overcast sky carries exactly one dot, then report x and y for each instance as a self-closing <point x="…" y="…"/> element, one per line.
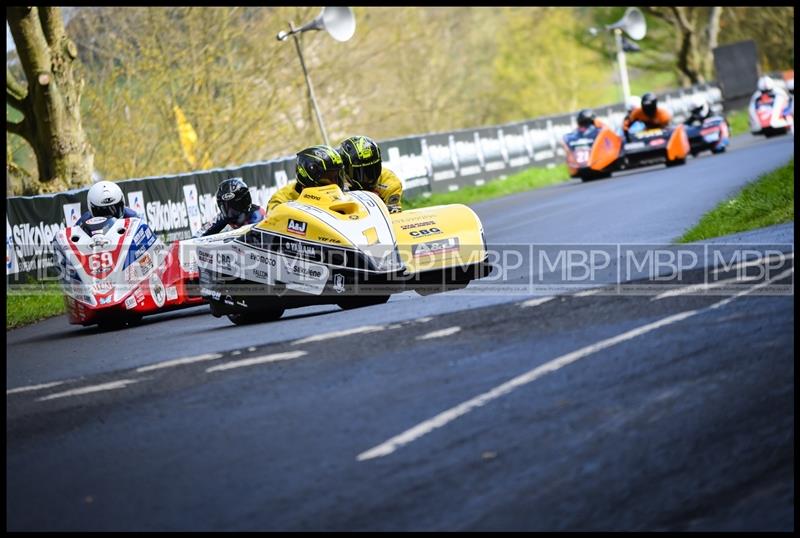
<point x="9" y="39"/>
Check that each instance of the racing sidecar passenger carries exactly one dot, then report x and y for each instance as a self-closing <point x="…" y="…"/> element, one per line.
<point x="364" y="171"/>
<point x="699" y="111"/>
<point x="586" y="119"/>
<point x="105" y="199"/>
<point x="236" y="207"/>
<point x="316" y="166"/>
<point x="649" y="113"/>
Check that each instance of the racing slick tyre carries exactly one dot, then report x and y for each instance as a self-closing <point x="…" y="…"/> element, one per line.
<point x="358" y="302"/>
<point x="261" y="316"/>
<point x="676" y="162"/>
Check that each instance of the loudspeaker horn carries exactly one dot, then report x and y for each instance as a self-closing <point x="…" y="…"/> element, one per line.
<point x="632" y="23"/>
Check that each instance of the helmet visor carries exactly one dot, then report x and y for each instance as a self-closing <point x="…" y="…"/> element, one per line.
<point x="113" y="210"/>
<point x="366" y="175"/>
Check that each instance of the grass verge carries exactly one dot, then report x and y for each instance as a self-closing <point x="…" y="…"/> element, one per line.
<point x="532" y="178"/>
<point x="738" y="121"/>
<point x="768" y="200"/>
<point x="28" y="303"/>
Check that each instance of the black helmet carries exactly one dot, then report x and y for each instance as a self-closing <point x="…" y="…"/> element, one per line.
<point x="362" y="161"/>
<point x="585" y="118"/>
<point x="318" y="166"/>
<point x="649" y="104"/>
<point x="233" y="198"/>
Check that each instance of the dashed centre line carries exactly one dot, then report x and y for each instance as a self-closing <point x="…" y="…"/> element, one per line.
<point x="179" y="362"/>
<point x="440" y="333"/>
<point x="113" y="385"/>
<point x="274" y="357"/>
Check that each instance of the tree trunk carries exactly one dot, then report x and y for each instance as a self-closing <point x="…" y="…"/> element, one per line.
<point x="51" y="104"/>
<point x="712" y="33"/>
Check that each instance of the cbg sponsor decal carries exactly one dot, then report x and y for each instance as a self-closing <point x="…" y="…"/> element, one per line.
<point x="425" y="232"/>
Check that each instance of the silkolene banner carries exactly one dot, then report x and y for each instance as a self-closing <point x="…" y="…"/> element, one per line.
<point x="177" y="206"/>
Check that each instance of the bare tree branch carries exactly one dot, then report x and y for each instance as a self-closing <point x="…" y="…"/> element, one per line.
<point x="32" y="48"/>
<point x="15" y="102"/>
<point x="52" y="24"/>
<point x="15" y="87"/>
<point x="20" y="129"/>
<point x="681" y="15"/>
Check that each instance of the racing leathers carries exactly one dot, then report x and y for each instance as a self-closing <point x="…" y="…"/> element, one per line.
<point x="388" y="187"/>
<point x="127" y="214"/>
<point x="253" y="215"/>
<point x="660" y="120"/>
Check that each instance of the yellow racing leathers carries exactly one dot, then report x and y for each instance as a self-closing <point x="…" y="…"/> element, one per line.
<point x="390" y="189"/>
<point x="287" y="193"/>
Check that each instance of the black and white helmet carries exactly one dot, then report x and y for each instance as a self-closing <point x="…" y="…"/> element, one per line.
<point x="233" y="198"/>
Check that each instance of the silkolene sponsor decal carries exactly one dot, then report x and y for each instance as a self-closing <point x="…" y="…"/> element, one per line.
<point x="297" y="227"/>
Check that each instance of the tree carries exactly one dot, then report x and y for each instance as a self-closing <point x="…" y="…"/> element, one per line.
<point x="697" y="32"/>
<point x="50" y="102"/>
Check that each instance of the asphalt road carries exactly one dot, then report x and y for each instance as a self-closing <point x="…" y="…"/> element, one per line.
<point x="684" y="425"/>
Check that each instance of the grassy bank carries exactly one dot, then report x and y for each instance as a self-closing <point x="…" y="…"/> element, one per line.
<point x="28" y="303"/>
<point x="532" y="178"/>
<point x="738" y="121"/>
<point x="767" y="201"/>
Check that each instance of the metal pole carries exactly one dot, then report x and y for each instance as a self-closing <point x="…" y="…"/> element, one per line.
<point x="623" y="68"/>
<point x="310" y="89"/>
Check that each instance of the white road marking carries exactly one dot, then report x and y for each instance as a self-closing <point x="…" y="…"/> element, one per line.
<point x="179" y="362"/>
<point x="587" y="293"/>
<point x="113" y="385"/>
<point x="444" y="418"/>
<point x="338" y="334"/>
<point x="34" y="387"/>
<point x="751" y="263"/>
<point x="423" y="320"/>
<point x="251" y="349"/>
<point x="536" y="302"/>
<point x="440" y="333"/>
<point x="275" y="357"/>
<point x="700" y="287"/>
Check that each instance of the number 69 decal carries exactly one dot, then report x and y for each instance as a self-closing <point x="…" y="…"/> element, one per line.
<point x="100" y="262"/>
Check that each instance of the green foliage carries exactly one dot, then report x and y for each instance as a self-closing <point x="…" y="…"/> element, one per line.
<point x="767" y="201"/>
<point x="532" y="178"/>
<point x="33" y="302"/>
<point x="772" y="28"/>
<point x="542" y="69"/>
<point x="738" y="121"/>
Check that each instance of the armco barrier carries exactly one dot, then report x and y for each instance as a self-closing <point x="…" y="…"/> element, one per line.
<point x="176" y="206"/>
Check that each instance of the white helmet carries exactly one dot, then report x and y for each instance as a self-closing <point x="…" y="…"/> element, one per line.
<point x="634" y="101"/>
<point x="699" y="106"/>
<point x="766" y="84"/>
<point x="105" y="200"/>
